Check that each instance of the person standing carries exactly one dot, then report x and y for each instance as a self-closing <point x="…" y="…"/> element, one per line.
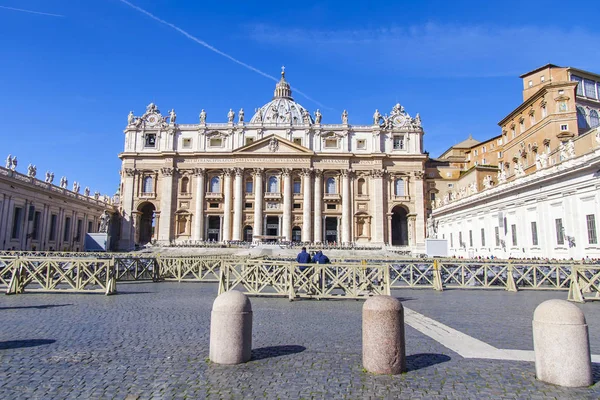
<point x="303" y="258"/>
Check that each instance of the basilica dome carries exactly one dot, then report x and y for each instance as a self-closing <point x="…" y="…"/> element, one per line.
<point x="282" y="110"/>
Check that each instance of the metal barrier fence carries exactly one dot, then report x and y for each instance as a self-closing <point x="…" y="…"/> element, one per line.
<point x="284" y="277"/>
<point x="319" y="281"/>
<point x="57" y="274"/>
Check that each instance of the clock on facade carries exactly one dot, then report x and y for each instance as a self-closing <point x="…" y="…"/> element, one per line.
<point x="152" y="119"/>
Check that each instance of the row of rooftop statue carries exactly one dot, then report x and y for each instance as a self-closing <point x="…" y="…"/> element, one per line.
<point x="398" y="113"/>
<point x="11" y="163"/>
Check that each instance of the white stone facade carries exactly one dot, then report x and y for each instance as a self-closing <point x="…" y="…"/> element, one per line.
<point x="552" y="213"/>
<point x="281" y="176"/>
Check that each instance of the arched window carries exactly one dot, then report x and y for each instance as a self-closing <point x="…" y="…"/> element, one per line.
<point x="185" y="181"/>
<point x="215" y="185"/>
<point x="273" y="184"/>
<point x="147" y="187"/>
<point x="330" y="187"/>
<point x="581" y="121"/>
<point x="594" y="120"/>
<point x="399" y="187"/>
<point x="362" y="188"/>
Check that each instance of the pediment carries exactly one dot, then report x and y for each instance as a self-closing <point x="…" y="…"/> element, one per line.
<point x="273" y="144"/>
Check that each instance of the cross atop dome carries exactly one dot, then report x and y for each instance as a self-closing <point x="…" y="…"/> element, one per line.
<point x="283" y="71"/>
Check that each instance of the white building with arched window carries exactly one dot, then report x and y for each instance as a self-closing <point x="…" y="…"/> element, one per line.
<point x="281" y="175"/>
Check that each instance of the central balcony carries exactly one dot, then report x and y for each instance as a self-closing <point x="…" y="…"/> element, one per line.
<point x="214" y="195"/>
<point x="331" y="196"/>
<point x="272" y="195"/>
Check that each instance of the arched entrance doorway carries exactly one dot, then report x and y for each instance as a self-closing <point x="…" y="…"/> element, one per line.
<point x="248" y="234"/>
<point x="399" y="226"/>
<point x="296" y="234"/>
<point x="146" y="227"/>
<point x="214" y="228"/>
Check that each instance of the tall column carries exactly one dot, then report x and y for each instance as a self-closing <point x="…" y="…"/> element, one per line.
<point x="166" y="205"/>
<point x="238" y="203"/>
<point x="318" y="238"/>
<point x="127" y="197"/>
<point x="346" y="202"/>
<point x="198" y="233"/>
<point x="377" y="207"/>
<point x="419" y="201"/>
<point x="287" y="204"/>
<point x="259" y="193"/>
<point x="227" y="206"/>
<point x="306" y="206"/>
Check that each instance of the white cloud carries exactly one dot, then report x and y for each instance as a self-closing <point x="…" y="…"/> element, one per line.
<point x="442" y="50"/>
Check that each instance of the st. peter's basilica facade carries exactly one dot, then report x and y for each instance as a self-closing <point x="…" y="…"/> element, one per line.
<point x="282" y="175"/>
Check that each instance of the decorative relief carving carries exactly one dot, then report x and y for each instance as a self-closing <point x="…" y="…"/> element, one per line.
<point x="378" y="173"/>
<point x="238" y="171"/>
<point x="318" y="173"/>
<point x="286" y="172"/>
<point x="199" y="171"/>
<point x="418" y="175"/>
<point x="258" y="171"/>
<point x="129" y="171"/>
<point x="167" y="171"/>
<point x="306" y="172"/>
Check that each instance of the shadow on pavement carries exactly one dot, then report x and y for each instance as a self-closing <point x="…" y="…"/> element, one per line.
<point x="418" y="361"/>
<point x="595" y="373"/>
<point x="42" y="307"/>
<point x="17" y="344"/>
<point x="275" y="351"/>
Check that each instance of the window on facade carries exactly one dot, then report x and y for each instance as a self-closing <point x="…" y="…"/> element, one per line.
<point x="331" y="143"/>
<point x="482" y="237"/>
<point x="361" y="144"/>
<point x="483" y="150"/>
<point x="249" y="186"/>
<point x="331" y="206"/>
<point x="560" y="235"/>
<point x="399" y="187"/>
<point x="532" y="119"/>
<point x="450" y="185"/>
<point x="247" y="205"/>
<point x="150" y="140"/>
<point x="17" y="221"/>
<point x="187" y="143"/>
<point x="52" y="235"/>
<point x="451" y="240"/>
<point x="530" y="83"/>
<point x="297" y="206"/>
<point x="513" y="230"/>
<point x="297" y="186"/>
<point x="216" y="142"/>
<point x="521" y="126"/>
<point x="432" y="196"/>
<point x="499" y="154"/>
<point x="78" y="231"/>
<point x="213" y="205"/>
<point x="398" y="143"/>
<point x="581" y="121"/>
<point x="185" y="182"/>
<point x="67" y="232"/>
<point x="564" y="127"/>
<point x="497" y="234"/>
<point x="460" y="242"/>
<point x="544" y="111"/>
<point x="513" y="133"/>
<point x="215" y="184"/>
<point x="147" y="186"/>
<point x="590" y="89"/>
<point x="273" y="185"/>
<point x="90" y="226"/>
<point x="594" y="120"/>
<point x="330" y="186"/>
<point x="249" y="140"/>
<point x="579" y="80"/>
<point x="37" y="218"/>
<point x="470" y="238"/>
<point x="591" y="228"/>
<point x="298" y="141"/>
<point x="362" y="187"/>
<point x="542" y="78"/>
<point x="534" y="235"/>
<point x="475" y="153"/>
<point x="484" y="162"/>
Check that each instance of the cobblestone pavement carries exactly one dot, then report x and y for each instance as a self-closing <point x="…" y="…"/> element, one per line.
<point x="151" y="341"/>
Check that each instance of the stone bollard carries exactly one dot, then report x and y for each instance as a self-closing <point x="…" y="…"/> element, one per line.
<point x="383" y="336"/>
<point x="231" y="329"/>
<point x="561" y="344"/>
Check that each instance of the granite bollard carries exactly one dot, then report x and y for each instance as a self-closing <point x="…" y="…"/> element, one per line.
<point x="561" y="344"/>
<point x="231" y="329"/>
<point x="384" y="349"/>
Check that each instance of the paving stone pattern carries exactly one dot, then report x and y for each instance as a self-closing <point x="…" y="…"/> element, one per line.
<point x="151" y="341"/>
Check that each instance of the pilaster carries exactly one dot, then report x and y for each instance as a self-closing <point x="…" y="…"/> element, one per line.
<point x="198" y="232"/>
<point x="166" y="205"/>
<point x="318" y="217"/>
<point x="307" y="204"/>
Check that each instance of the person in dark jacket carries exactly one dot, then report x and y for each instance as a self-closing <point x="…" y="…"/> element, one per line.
<point x="320" y="258"/>
<point x="304" y="258"/>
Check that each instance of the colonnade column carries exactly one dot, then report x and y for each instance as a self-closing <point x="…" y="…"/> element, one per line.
<point x="127" y="232"/>
<point x="318" y="238"/>
<point x="377" y="207"/>
<point x="346" y="202"/>
<point x="287" y="204"/>
<point x="419" y="210"/>
<point x="166" y="200"/>
<point x="238" y="203"/>
<point x="306" y="206"/>
<point x="199" y="213"/>
<point x="227" y="206"/>
<point x="257" y="230"/>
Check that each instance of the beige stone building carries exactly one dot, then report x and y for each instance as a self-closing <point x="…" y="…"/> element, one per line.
<point x="38" y="215"/>
<point x="281" y="175"/>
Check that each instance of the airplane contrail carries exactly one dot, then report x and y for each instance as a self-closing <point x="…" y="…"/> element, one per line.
<point x="214" y="49"/>
<point x="32" y="12"/>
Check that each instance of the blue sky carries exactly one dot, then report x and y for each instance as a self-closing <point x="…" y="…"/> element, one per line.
<point x="72" y="71"/>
